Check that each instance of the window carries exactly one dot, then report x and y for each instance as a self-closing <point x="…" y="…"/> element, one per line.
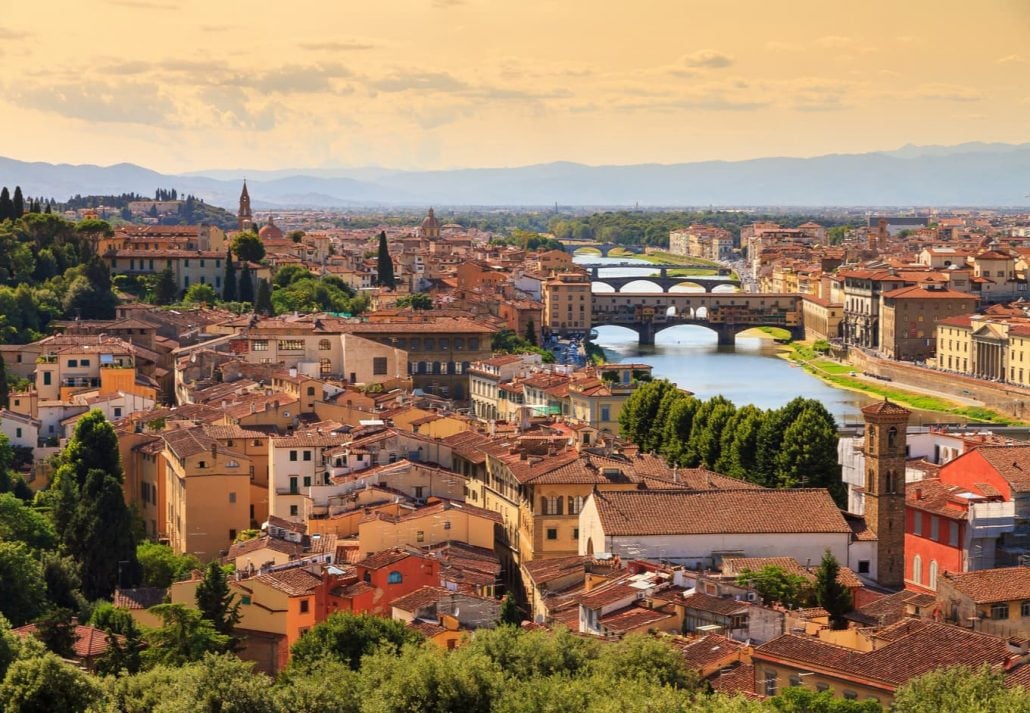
<point x="17" y="432"/>
<point x="311" y="391"/>
<point x="305" y="605"/>
<point x="325" y="367"/>
<point x="820" y="687"/>
<point x="605" y="413"/>
<point x="575" y="533"/>
<point x="850" y="695"/>
<point x="575" y="504"/>
<point x="46" y="378"/>
<point x="551" y="505"/>
<point x="259" y="345"/>
<point x="770" y="683"/>
<point x="416" y="344"/>
<point x="232" y="534"/>
<point x="307" y="455"/>
<point x="917" y="569"/>
<point x="394" y="577"/>
<point x="795" y="679"/>
<point x="232" y="497"/>
<point x="917" y="524"/>
<point x="447" y="524"/>
<point x="117" y="411"/>
<point x="420" y="491"/>
<point x="420" y="536"/>
<point x="473" y="343"/>
<point x="293" y="455"/>
<point x="202" y="464"/>
<point x="863" y="566"/>
<point x="307" y="481"/>
<point x="935" y="527"/>
<point x="953" y="533"/>
<point x="291" y="345"/>
<point x="246" y="599"/>
<point x="324" y="345"/>
<point x="933" y="575"/>
<point x="293" y="511"/>
<point x="293" y="485"/>
<point x="73" y="363"/>
<point x="1024" y="609"/>
<point x="552" y="533"/>
<point x="430" y="344"/>
<point x="379" y="366"/>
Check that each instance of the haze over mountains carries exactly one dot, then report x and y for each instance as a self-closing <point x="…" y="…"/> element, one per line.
<point x="971" y="174"/>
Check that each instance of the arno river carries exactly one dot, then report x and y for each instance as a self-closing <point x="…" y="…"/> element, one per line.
<point x="748" y="372"/>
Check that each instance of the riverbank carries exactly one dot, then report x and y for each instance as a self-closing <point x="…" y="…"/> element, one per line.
<point x="844" y="376"/>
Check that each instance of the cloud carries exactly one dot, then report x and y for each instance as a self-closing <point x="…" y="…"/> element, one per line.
<point x="948" y="92"/>
<point x="232" y="106"/>
<point x="144" y="4"/>
<point x="835" y="41"/>
<point x="128" y="67"/>
<point x="337" y="46"/>
<point x="403" y="81"/>
<point x="708" y="59"/>
<point x="130" y="103"/>
<point x="1011" y="59"/>
<point x="295" y="79"/>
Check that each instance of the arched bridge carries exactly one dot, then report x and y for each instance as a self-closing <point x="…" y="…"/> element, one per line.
<point x="725" y="313"/>
<point x="662" y="279"/>
<point x="571" y="246"/>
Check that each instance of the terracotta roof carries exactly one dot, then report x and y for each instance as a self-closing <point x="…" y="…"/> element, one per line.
<point x="542" y="571"/>
<point x="294" y="582"/>
<point x="706" y="650"/>
<point x="790" y="565"/>
<point x="738" y="680"/>
<point x="885" y="407"/>
<point x="919" y="293"/>
<point x="1003" y="584"/>
<point x="90" y="642"/>
<point x="421" y="598"/>
<point x="139" y="597"/>
<point x="1011" y="462"/>
<point x="292" y="549"/>
<point x="385" y="558"/>
<point x="427" y="628"/>
<point x="912" y="648"/>
<point x="724" y="606"/>
<point x="631" y="618"/>
<point x="682" y="512"/>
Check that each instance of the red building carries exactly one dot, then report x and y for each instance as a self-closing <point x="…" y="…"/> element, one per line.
<point x="964" y="520"/>
<point x="376" y="581"/>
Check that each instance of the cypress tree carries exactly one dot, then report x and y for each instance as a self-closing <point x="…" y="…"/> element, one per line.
<point x="6" y="205"/>
<point x="263" y="303"/>
<point x="214" y="600"/>
<point x="246" y="291"/>
<point x="830" y="594"/>
<point x="48" y="211"/>
<point x="165" y="291"/>
<point x="531" y="332"/>
<point x="18" y="203"/>
<point x="5" y="396"/>
<point x="229" y="281"/>
<point x="384" y="265"/>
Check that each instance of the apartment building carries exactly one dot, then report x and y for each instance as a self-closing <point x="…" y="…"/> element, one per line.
<point x="567" y="304"/>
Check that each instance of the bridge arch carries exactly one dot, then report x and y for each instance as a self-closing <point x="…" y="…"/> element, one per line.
<point x="588" y="250"/>
<point x="639" y="285"/>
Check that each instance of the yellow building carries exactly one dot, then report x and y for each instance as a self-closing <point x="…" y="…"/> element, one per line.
<point x="207" y="489"/>
<point x="954" y="341"/>
<point x="438" y="522"/>
<point x="567" y="305"/>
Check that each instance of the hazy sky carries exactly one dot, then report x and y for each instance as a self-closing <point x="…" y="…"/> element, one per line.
<point x="180" y="85"/>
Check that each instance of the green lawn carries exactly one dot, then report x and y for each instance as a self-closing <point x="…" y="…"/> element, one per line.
<point x="669" y="258"/>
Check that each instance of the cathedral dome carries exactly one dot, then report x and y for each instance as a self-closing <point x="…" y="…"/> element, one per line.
<point x="430" y="221"/>
<point x="270" y="231"/>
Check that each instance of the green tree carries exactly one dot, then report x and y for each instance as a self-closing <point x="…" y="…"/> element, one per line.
<point x="770" y="439"/>
<point x="63" y="582"/>
<point x="215" y="600"/>
<point x="160" y="565"/>
<point x="296" y="235"/>
<point x="738" y="450"/>
<point x="56" y="631"/>
<point x="185" y="636"/>
<point x="706" y="431"/>
<point x="229" y="280"/>
<point x="248" y="247"/>
<point x="102" y="537"/>
<point x="961" y="689"/>
<point x="45" y="684"/>
<point x="830" y="594"/>
<point x="347" y="637"/>
<point x="166" y="291"/>
<point x="530" y="335"/>
<point x="675" y="432"/>
<point x="802" y="700"/>
<point x="22" y="589"/>
<point x="22" y="523"/>
<point x="384" y="264"/>
<point x="775" y="584"/>
<point x="263" y="301"/>
<point x="17" y="204"/>
<point x="5" y="391"/>
<point x="200" y="293"/>
<point x="6" y="205"/>
<point x="510" y="613"/>
<point x="124" y="640"/>
<point x="87" y="300"/>
<point x="246" y="287"/>
<point x="416" y="300"/>
<point x="808" y="454"/>
<point x="653" y="441"/>
<point x="644" y="658"/>
<point x="637" y="417"/>
<point x="287" y="275"/>
<point x="324" y="687"/>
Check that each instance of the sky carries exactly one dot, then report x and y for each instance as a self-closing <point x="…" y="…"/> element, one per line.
<point x="181" y="85"/>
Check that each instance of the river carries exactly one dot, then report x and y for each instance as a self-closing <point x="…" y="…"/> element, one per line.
<point x="747" y="372"/>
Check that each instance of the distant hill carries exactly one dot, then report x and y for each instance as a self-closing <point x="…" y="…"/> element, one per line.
<point x="973" y="174"/>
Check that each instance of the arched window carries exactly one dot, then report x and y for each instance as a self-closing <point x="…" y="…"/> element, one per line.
<point x="932" y="583"/>
<point x="892" y="437"/>
<point x="436" y="367"/>
<point x="324" y="345"/>
<point x="394" y="577"/>
<point x="872" y="437"/>
<point x="892" y="482"/>
<point x="917" y="569"/>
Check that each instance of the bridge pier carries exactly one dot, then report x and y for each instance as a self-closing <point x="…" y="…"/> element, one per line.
<point x="645" y="330"/>
<point x="727" y="335"/>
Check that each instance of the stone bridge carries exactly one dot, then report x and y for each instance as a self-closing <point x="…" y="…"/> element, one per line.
<point x="571" y="246"/>
<point x="663" y="279"/>
<point x="648" y="313"/>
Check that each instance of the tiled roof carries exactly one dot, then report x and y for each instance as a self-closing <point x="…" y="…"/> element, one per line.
<point x="724" y="606"/>
<point x="89" y="641"/>
<point x="427" y="628"/>
<point x="421" y="598"/>
<point x="682" y="512"/>
<point x="739" y="680"/>
<point x="294" y="582"/>
<point x="706" y="650"/>
<point x="1011" y="462"/>
<point x="385" y="558"/>
<point x="292" y="549"/>
<point x="631" y="618"/>
<point x="542" y="571"/>
<point x="139" y="597"/>
<point x="885" y="407"/>
<point x="790" y="565"/>
<point x="1003" y="584"/>
<point x="912" y="649"/>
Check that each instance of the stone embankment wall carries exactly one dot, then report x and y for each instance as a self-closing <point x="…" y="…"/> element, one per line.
<point x="1008" y="400"/>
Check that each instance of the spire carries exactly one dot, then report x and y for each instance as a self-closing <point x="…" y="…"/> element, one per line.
<point x="245" y="218"/>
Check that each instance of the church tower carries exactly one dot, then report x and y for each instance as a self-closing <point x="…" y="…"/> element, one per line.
<point x="885" y="450"/>
<point x="246" y="220"/>
<point x="430" y="228"/>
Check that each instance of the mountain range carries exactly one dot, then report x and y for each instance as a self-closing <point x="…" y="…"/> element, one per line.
<point x="971" y="174"/>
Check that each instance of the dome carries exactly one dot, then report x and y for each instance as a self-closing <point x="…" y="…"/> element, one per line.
<point x="270" y="231"/>
<point x="430" y="221"/>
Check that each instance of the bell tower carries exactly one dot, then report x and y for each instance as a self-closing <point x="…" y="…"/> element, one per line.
<point x="246" y="220"/>
<point x="885" y="451"/>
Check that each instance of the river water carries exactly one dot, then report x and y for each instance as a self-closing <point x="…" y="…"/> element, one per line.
<point x="749" y="372"/>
